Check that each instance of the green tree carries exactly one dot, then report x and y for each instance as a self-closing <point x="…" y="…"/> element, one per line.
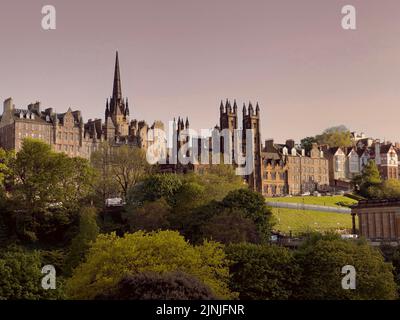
<point x="48" y="189"/>
<point x="231" y="226"/>
<point x="155" y="286"/>
<point x="106" y="185"/>
<point x="254" y="208"/>
<point x="392" y="255"/>
<point x="88" y="231"/>
<point x="369" y="183"/>
<point x="128" y="167"/>
<point x="218" y="181"/>
<point x="151" y="216"/>
<point x="322" y="260"/>
<point x="20" y="276"/>
<point x="307" y="142"/>
<point x="262" y="272"/>
<point x="5" y="170"/>
<point x="338" y="136"/>
<point x="155" y="187"/>
<point x="112" y="258"/>
<point x="391" y="188"/>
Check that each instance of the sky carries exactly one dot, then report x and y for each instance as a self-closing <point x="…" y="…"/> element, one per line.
<point x="181" y="57"/>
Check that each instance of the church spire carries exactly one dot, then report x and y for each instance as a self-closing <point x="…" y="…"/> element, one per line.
<point x="117" y="92"/>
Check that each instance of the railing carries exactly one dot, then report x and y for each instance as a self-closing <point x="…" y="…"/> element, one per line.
<point x="303" y="206"/>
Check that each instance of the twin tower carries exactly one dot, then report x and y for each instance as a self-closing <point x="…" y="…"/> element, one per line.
<point x="228" y="119"/>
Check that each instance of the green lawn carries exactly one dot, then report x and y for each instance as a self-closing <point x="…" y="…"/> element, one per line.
<point x="299" y="221"/>
<point x="330" y="201"/>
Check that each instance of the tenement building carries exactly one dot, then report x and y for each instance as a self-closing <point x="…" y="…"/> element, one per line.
<point x="63" y="131"/>
<point x="288" y="169"/>
<point x="67" y="132"/>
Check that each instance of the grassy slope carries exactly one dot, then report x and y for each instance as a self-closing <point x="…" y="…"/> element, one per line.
<point x="302" y="220"/>
<point x="330" y="201"/>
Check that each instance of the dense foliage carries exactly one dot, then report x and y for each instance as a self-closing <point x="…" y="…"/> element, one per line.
<point x="180" y="236"/>
<point x="111" y="258"/>
<point x="155" y="286"/>
<point x="262" y="272"/>
<point x="321" y="260"/>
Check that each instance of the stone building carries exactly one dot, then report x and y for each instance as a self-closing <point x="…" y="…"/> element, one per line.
<point x="301" y="172"/>
<point x="63" y="131"/>
<point x="118" y="128"/>
<point x="378" y="220"/>
<point x="352" y="163"/>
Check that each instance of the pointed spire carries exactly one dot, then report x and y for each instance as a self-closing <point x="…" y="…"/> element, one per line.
<point x="257" y="109"/>
<point x="117" y="92"/>
<point x="244" y="109"/>
<point x="234" y="106"/>
<point x="251" y="110"/>
<point x="221" y="107"/>
<point x="127" y="108"/>
<point x="107" y="110"/>
<point x="187" y="123"/>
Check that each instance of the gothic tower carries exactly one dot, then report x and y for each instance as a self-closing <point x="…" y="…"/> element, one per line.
<point x="251" y="120"/>
<point x="117" y="110"/>
<point x="228" y="119"/>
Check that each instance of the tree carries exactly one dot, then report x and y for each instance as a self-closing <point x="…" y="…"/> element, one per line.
<point x="391" y="188"/>
<point x="112" y="258"/>
<point x="106" y="185"/>
<point x="338" y="136"/>
<point x="155" y="286"/>
<point x="218" y="181"/>
<point x="322" y="260"/>
<point x="88" y="231"/>
<point x="5" y="170"/>
<point x="307" y="143"/>
<point x="128" y="166"/>
<point x="262" y="272"/>
<point x="231" y="226"/>
<point x="392" y="254"/>
<point x="151" y="216"/>
<point x="369" y="183"/>
<point x="48" y="189"/>
<point x="254" y="207"/>
<point x="20" y="276"/>
<point x="155" y="187"/>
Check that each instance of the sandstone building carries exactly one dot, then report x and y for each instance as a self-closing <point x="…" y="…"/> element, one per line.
<point x="379" y="220"/>
<point x="288" y="169"/>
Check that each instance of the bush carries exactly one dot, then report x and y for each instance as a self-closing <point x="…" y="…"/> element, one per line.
<point x="155" y="286"/>
<point x="321" y="260"/>
<point x="111" y="258"/>
<point x="262" y="272"/>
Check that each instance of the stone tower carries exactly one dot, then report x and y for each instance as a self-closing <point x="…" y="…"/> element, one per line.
<point x="228" y="119"/>
<point x="117" y="109"/>
<point x="251" y="120"/>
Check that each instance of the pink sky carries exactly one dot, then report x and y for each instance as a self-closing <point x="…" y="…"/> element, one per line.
<point x="181" y="57"/>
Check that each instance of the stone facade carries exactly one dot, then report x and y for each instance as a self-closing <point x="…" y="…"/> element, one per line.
<point x="63" y="131"/>
<point x="300" y="172"/>
<point x="379" y="220"/>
